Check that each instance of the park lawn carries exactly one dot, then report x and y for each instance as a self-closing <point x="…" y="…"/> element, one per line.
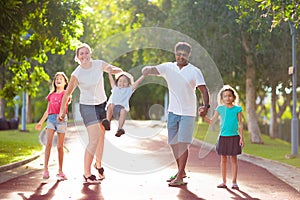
<point x="273" y="149"/>
<point x="16" y="145"/>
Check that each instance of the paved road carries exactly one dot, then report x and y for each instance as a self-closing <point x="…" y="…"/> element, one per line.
<point x="136" y="168"/>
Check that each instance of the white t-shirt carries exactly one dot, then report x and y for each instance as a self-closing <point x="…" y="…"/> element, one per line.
<point x="121" y="96"/>
<point x="91" y="83"/>
<point x="182" y="85"/>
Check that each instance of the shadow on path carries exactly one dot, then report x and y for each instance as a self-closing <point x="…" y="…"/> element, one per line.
<point x="237" y="196"/>
<point x="91" y="191"/>
<point x="37" y="193"/>
<point x="185" y="193"/>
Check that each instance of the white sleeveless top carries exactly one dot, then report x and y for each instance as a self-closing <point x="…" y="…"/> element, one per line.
<point x="91" y="83"/>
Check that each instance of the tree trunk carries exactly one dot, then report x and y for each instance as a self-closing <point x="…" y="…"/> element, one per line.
<point x="2" y="107"/>
<point x="29" y="110"/>
<point x="2" y="104"/>
<point x="273" y="117"/>
<point x="253" y="127"/>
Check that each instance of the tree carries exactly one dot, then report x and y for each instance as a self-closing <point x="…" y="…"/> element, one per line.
<point x="35" y="29"/>
<point x="281" y="11"/>
<point x="274" y="12"/>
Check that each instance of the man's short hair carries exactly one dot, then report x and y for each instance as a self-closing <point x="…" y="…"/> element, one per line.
<point x="183" y="46"/>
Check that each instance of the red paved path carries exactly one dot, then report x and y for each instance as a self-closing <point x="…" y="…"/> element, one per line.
<point x="203" y="176"/>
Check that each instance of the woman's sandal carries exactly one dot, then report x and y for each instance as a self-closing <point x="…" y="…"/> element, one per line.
<point x="91" y="179"/>
<point x="100" y="172"/>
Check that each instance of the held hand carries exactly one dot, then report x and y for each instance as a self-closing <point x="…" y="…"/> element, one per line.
<point x="202" y="111"/>
<point x="145" y="71"/>
<point x="60" y="117"/>
<point x="109" y="69"/>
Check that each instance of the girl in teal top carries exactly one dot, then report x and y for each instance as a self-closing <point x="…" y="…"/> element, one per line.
<point x="231" y="138"/>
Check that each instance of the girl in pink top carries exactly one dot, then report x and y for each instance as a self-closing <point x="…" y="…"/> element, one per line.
<point x="54" y="98"/>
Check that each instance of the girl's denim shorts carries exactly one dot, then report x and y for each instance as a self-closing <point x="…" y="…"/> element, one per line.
<point x="54" y="124"/>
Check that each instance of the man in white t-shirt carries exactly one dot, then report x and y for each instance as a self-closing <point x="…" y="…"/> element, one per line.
<point x="182" y="78"/>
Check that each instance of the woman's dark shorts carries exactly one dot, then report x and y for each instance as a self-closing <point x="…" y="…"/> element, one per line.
<point x="92" y="114"/>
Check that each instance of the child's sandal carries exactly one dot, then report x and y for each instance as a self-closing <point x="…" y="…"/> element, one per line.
<point x="120" y="132"/>
<point x="222" y="185"/>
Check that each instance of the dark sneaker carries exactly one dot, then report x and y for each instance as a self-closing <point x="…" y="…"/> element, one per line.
<point x="120" y="132"/>
<point x="106" y="124"/>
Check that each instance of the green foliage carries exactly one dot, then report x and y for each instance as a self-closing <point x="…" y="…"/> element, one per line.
<point x="35" y="28"/>
<point x="281" y="11"/>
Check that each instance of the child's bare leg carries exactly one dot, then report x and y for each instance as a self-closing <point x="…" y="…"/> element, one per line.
<point x="109" y="111"/>
<point x="123" y="114"/>
<point x="223" y="167"/>
<point x="234" y="168"/>
<point x="49" y="135"/>
<point x="121" y="121"/>
<point x="60" y="150"/>
<point x="109" y="114"/>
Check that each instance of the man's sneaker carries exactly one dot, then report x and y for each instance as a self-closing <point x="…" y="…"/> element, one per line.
<point x="106" y="124"/>
<point x="91" y="179"/>
<point x="46" y="175"/>
<point x="61" y="177"/>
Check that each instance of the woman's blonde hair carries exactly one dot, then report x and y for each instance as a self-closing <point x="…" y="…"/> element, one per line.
<point x="233" y="91"/>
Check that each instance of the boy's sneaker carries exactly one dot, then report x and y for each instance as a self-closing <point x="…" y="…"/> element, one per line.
<point x="120" y="132"/>
<point x="106" y="124"/>
<point x="61" y="177"/>
<point x="46" y="175"/>
<point x="91" y="179"/>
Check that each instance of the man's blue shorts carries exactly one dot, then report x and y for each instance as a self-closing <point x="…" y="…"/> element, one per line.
<point x="180" y="128"/>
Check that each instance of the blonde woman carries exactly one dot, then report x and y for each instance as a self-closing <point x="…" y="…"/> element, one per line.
<point x="88" y="77"/>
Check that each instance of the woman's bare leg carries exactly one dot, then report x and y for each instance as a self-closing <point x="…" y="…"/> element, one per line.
<point x="94" y="137"/>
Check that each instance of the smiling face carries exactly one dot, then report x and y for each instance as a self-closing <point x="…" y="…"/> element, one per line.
<point x="83" y="55"/>
<point x="123" y="82"/>
<point x="60" y="82"/>
<point x="182" y="58"/>
<point x="182" y="52"/>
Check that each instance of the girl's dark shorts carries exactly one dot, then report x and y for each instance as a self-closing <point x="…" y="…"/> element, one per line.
<point x="92" y="114"/>
<point x="229" y="145"/>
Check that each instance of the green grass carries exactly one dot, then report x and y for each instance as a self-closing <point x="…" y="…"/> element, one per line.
<point x="273" y="149"/>
<point x="16" y="145"/>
